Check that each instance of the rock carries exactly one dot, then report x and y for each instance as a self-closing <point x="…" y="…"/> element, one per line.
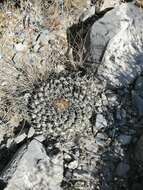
<point x="122" y="169"/>
<point x="116" y="42"/>
<point x="101" y="139"/>
<point x="34" y="170"/>
<point x="73" y="165"/>
<point x="87" y="14"/>
<point x="31" y="132"/>
<point x="100" y="122"/>
<point x="91" y="146"/>
<point x="20" y="138"/>
<point x="124" y="139"/>
<point x="20" y="47"/>
<point x="67" y="157"/>
<point x="26" y="97"/>
<point x="10" y="142"/>
<point x="98" y="38"/>
<point x="40" y="138"/>
<point x="110" y="3"/>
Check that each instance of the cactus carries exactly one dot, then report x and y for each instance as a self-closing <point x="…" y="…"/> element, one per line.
<point x="64" y="101"/>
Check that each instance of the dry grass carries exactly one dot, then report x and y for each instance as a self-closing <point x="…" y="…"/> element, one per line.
<point x="18" y="78"/>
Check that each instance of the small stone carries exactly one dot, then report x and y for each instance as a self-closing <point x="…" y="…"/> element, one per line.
<point x="102" y="136"/>
<point x="20" y="138"/>
<point x="122" y="169"/>
<point x="87" y="14"/>
<point x="26" y="97"/>
<point x="112" y="99"/>
<point x="124" y="139"/>
<point x="67" y="157"/>
<point x="91" y="146"/>
<point x="101" y="139"/>
<point x="10" y="141"/>
<point x="20" y="47"/>
<point x="60" y="68"/>
<point x="40" y="138"/>
<point x="100" y="121"/>
<point x="73" y="165"/>
<point x="109" y="3"/>
<point x="100" y="142"/>
<point x="31" y="132"/>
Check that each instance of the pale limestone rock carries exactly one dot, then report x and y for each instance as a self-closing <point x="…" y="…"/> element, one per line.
<point x="35" y="170"/>
<point x="116" y="45"/>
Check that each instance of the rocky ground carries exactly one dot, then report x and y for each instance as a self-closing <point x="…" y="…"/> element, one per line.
<point x="71" y="95"/>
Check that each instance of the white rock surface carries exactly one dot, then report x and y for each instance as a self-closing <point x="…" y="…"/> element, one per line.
<point x="20" y="138"/>
<point x="116" y="42"/>
<point x="110" y="3"/>
<point x="101" y="121"/>
<point x="36" y="170"/>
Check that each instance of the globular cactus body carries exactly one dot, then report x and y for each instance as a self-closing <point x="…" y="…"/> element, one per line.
<point x="62" y="102"/>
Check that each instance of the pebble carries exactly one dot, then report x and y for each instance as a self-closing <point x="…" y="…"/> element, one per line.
<point x="73" y="165"/>
<point x="26" y="97"/>
<point x="31" y="132"/>
<point x="101" y="139"/>
<point x="67" y="157"/>
<point x="101" y="136"/>
<point x="20" y="47"/>
<point x="91" y="146"/>
<point x="100" y="121"/>
<point x="88" y="13"/>
<point x="40" y="138"/>
<point x="112" y="98"/>
<point x="9" y="143"/>
<point x="122" y="169"/>
<point x="20" y="138"/>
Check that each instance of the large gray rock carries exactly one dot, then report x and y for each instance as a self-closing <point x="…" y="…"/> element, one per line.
<point x="35" y="170"/>
<point x="116" y="42"/>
